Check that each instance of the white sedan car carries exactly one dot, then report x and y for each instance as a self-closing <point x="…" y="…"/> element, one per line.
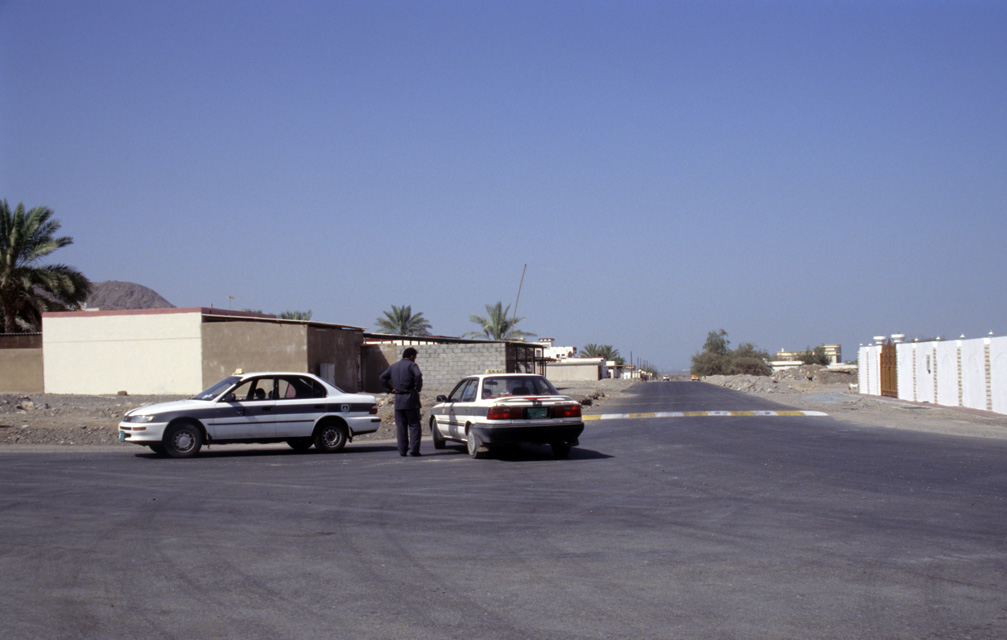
<point x="297" y="408"/>
<point x="512" y="408"/>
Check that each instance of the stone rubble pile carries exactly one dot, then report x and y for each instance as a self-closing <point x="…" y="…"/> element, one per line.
<point x="794" y="380"/>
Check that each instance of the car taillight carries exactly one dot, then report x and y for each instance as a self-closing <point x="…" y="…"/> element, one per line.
<point x="374" y="410"/>
<point x="566" y="411"/>
<point x="503" y="413"/>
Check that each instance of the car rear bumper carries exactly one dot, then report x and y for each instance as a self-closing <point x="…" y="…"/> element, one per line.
<point x="526" y="434"/>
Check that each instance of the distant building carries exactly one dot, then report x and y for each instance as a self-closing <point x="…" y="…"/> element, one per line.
<point x="832" y="351"/>
<point x="551" y="352"/>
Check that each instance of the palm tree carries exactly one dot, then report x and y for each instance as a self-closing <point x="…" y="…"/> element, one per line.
<point x="27" y="289"/>
<point x="295" y="315"/>
<point x="401" y="321"/>
<point x="497" y="326"/>
<point x="606" y="351"/>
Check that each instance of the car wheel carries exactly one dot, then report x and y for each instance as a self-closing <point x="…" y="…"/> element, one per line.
<point x="300" y="444"/>
<point x="473" y="444"/>
<point x="438" y="438"/>
<point x="182" y="440"/>
<point x="560" y="450"/>
<point x="330" y="437"/>
<point x="157" y="448"/>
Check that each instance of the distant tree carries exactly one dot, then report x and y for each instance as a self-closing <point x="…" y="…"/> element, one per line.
<point x="606" y="351"/>
<point x="716" y="343"/>
<point x="295" y="315"/>
<point x="495" y="325"/>
<point x="814" y="356"/>
<point x="28" y="289"/>
<point x="717" y="359"/>
<point x="710" y="364"/>
<point x="401" y="321"/>
<point x="749" y="359"/>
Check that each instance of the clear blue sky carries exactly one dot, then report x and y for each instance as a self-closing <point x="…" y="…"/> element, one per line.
<point x="792" y="172"/>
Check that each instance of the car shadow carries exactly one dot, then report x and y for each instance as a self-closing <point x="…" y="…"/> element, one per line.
<point x="531" y="453"/>
<point x="265" y="450"/>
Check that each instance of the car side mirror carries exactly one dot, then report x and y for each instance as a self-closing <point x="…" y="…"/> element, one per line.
<point x="230" y="398"/>
<point x="442" y="398"/>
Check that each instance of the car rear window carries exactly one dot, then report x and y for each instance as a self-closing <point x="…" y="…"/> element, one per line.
<point x="517" y="386"/>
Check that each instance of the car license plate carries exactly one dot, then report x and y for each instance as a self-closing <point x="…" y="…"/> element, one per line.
<point x="122" y="436"/>
<point x="537" y="412"/>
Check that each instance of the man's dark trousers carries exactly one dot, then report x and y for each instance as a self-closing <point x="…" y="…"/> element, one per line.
<point x="407" y="430"/>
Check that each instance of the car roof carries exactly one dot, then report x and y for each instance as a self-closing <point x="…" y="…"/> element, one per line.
<point x="506" y="375"/>
<point x="252" y="374"/>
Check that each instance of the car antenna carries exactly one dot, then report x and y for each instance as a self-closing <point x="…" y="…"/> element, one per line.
<point x="514" y="317"/>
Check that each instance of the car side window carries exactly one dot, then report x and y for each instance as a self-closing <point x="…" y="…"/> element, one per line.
<point x="295" y="388"/>
<point x="465" y="391"/>
<point x="254" y="389"/>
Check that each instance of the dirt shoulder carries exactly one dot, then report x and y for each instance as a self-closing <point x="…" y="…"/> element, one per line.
<point x="67" y="420"/>
<point x="814" y="388"/>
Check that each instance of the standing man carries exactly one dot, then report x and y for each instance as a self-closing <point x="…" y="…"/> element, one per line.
<point x="405" y="380"/>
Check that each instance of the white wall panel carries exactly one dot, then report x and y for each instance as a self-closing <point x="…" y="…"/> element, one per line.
<point x="998" y="373"/>
<point x="974" y="374"/>
<point x="946" y="354"/>
<point x="153" y="352"/>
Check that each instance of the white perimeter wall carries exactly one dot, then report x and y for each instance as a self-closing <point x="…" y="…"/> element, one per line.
<point x="998" y="374"/>
<point x="869" y="370"/>
<point x="108" y="352"/>
<point x="966" y="373"/>
<point x="574" y="370"/>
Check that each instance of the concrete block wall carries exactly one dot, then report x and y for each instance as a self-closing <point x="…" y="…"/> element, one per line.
<point x="443" y="365"/>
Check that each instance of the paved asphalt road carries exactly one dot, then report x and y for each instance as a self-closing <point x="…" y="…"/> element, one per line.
<point x="690" y="527"/>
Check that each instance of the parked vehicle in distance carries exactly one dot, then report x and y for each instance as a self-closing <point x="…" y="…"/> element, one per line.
<point x="506" y="408"/>
<point x="297" y="408"/>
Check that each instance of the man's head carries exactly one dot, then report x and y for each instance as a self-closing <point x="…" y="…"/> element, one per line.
<point x="409" y="353"/>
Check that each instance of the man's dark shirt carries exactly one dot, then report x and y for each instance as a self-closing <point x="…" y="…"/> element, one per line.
<point x="404" y="376"/>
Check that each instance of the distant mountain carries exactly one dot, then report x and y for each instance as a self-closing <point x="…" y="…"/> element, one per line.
<point x="111" y="295"/>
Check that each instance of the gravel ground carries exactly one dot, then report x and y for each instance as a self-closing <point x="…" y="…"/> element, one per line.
<point x="816" y="388"/>
<point x="69" y="420"/>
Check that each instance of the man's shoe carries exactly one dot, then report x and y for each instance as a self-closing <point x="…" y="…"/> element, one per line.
<point x="415" y="454"/>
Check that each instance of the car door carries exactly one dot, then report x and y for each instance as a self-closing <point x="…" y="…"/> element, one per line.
<point x="300" y="402"/>
<point x="246" y="412"/>
<point x="459" y="407"/>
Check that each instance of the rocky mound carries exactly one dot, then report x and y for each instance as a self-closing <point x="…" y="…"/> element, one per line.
<point x="795" y="380"/>
<point x="113" y="295"/>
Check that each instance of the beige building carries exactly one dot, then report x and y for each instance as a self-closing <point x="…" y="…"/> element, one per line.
<point x="21" y="363"/>
<point x="182" y="351"/>
<point x="832" y="351"/>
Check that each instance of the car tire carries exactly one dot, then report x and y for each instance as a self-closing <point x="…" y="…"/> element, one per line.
<point x="182" y="440"/>
<point x="560" y="450"/>
<point x="300" y="444"/>
<point x="473" y="444"/>
<point x="157" y="448"/>
<point x="438" y="438"/>
<point x="330" y="437"/>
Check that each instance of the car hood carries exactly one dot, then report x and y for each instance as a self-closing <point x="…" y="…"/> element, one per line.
<point x="165" y="407"/>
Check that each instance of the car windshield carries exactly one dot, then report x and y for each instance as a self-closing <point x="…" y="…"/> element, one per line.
<point x="217" y="389"/>
<point x="517" y="386"/>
